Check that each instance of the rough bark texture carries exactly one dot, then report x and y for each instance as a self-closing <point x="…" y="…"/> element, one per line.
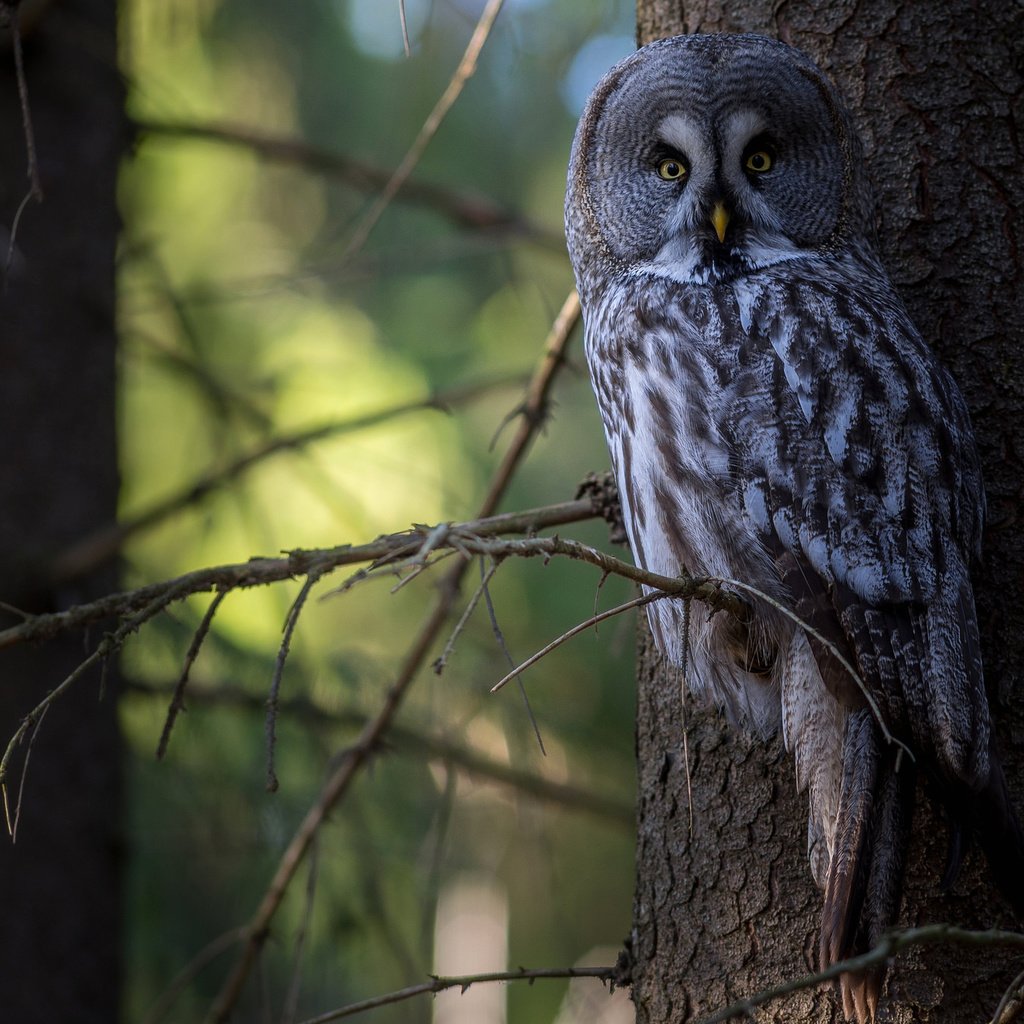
<point x="59" y="883"/>
<point x="728" y="908"/>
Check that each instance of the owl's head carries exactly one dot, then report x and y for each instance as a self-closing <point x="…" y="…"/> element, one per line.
<point x="709" y="156"/>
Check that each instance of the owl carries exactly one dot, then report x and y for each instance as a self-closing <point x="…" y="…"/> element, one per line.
<point x="775" y="419"/>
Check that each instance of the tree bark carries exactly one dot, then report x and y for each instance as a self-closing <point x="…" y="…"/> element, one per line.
<point x="60" y="882"/>
<point x="725" y="905"/>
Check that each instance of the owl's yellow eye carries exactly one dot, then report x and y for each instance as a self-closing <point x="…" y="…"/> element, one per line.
<point x="759" y="161"/>
<point x="672" y="170"/>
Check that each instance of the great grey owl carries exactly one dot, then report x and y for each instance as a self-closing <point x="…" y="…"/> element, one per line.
<point x="775" y="418"/>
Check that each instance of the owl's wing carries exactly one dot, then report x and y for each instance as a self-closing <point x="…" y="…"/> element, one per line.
<point x="854" y="454"/>
<point x="855" y="450"/>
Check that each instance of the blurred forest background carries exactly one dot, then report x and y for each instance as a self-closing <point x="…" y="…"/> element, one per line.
<point x="264" y="133"/>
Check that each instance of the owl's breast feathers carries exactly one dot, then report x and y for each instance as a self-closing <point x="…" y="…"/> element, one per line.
<point x="792" y="430"/>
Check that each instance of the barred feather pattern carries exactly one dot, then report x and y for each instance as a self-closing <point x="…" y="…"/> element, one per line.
<point x="792" y="425"/>
<point x="774" y="417"/>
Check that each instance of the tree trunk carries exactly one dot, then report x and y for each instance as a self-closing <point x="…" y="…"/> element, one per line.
<point x="725" y="906"/>
<point x="59" y="883"/>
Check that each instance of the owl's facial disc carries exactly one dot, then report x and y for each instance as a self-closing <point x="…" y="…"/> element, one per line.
<point x="689" y="123"/>
<point x="717" y="225"/>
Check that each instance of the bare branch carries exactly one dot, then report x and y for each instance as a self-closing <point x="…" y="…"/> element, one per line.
<point x="436" y="985"/>
<point x="260" y="571"/>
<point x="888" y="946"/>
<point x="465" y="70"/>
<point x="580" y="627"/>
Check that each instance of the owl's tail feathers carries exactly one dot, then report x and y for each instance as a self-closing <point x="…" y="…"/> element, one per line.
<point x="865" y="875"/>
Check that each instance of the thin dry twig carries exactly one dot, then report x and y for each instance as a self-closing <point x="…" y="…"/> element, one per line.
<point x="500" y="637"/>
<point x="275" y="683"/>
<point x="108" y="645"/>
<point x="888" y="946"/>
<point x="463" y="982"/>
<point x="580" y="627"/>
<point x="24" y="776"/>
<point x="449" y="647"/>
<point x="178" y="697"/>
<point x="465" y="70"/>
<point x="406" y="48"/>
<point x="10" y="16"/>
<point x="291" y="1002"/>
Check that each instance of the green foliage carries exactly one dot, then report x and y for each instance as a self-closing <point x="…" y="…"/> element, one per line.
<point x="243" y="321"/>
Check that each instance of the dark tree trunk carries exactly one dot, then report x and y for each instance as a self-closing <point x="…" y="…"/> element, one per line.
<point x="727" y="908"/>
<point x="59" y="883"/>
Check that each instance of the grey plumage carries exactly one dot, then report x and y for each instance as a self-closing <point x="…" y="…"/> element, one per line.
<point x="774" y="417"/>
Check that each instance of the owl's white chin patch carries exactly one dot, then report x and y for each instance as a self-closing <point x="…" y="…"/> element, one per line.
<point x="697" y="262"/>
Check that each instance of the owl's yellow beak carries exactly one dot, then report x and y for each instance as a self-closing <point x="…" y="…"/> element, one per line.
<point x="720" y="220"/>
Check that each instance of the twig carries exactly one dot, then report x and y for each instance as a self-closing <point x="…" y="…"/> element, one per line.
<point x="86" y="555"/>
<point x="178" y="697"/>
<point x="465" y="70"/>
<point x="26" y="114"/>
<point x="275" y="683"/>
<point x="373" y="732"/>
<point x="463" y="982"/>
<point x="888" y="946"/>
<point x="535" y="407"/>
<point x="500" y="637"/>
<point x="442" y="661"/>
<point x="580" y="627"/>
<point x="406" y="48"/>
<point x="24" y="776"/>
<point x="108" y="645"/>
<point x="291" y="1002"/>
<point x="35" y="186"/>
